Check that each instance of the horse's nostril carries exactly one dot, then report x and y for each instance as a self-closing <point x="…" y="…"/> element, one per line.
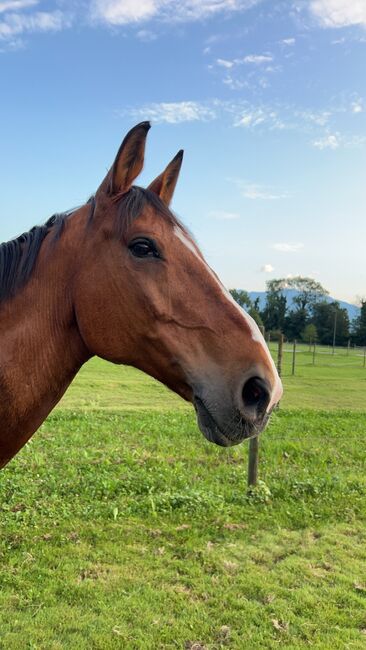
<point x="256" y="395"/>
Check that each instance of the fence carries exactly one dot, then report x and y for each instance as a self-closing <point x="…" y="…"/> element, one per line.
<point x="313" y="354"/>
<point x="290" y="358"/>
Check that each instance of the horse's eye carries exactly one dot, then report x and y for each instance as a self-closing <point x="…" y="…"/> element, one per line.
<point x="143" y="248"/>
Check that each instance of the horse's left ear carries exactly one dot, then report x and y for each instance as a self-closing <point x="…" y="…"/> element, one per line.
<point x="129" y="161"/>
<point x="164" y="185"/>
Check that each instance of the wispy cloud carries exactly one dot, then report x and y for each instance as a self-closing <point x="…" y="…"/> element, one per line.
<point x="330" y="141"/>
<point x="320" y="118"/>
<point x="174" y="112"/>
<point x="339" y="13"/>
<point x="288" y="247"/>
<point x="321" y="127"/>
<point x="254" y="191"/>
<point x="257" y="59"/>
<point x="223" y="215"/>
<point x="123" y="12"/>
<point x="288" y="41"/>
<point x="146" y="35"/>
<point x="334" y="141"/>
<point x="41" y="21"/>
<point x="224" y="63"/>
<point x="17" y="5"/>
<point x="357" y="106"/>
<point x="241" y="113"/>
<point x="233" y="83"/>
<point x="267" y="268"/>
<point x="252" y="116"/>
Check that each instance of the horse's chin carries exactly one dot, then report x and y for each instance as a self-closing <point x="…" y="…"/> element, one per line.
<point x="211" y="429"/>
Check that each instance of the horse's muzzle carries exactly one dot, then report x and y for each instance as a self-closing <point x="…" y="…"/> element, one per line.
<point x="235" y="430"/>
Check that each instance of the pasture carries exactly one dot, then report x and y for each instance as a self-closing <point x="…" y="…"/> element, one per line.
<point x="122" y="527"/>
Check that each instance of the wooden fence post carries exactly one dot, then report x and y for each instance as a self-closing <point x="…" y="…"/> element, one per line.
<point x="253" y="456"/>
<point x="294" y="357"/>
<point x="280" y="355"/>
<point x="253" y="461"/>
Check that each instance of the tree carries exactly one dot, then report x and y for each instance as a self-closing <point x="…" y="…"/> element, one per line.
<point x="359" y="327"/>
<point x="331" y="321"/>
<point x="309" y="292"/>
<point x="274" y="312"/>
<point x="242" y="298"/>
<point x="254" y="313"/>
<point x="295" y="323"/>
<point x="310" y="333"/>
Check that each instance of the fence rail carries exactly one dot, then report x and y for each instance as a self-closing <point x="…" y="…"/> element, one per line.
<point x="302" y="354"/>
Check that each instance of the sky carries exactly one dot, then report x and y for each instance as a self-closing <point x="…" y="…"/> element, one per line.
<point x="268" y="100"/>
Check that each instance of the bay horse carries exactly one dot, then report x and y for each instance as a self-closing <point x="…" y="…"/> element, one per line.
<point x="122" y="278"/>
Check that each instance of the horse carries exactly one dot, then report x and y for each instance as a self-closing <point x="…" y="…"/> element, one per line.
<point x="121" y="277"/>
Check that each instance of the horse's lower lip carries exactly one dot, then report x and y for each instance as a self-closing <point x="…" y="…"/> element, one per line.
<point x="209" y="427"/>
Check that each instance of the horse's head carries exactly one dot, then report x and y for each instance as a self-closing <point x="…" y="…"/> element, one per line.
<point x="146" y="297"/>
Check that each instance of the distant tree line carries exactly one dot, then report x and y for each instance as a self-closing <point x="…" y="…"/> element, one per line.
<point x="309" y="317"/>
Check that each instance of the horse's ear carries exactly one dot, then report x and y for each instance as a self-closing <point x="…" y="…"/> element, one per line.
<point x="129" y="161"/>
<point x="164" y="185"/>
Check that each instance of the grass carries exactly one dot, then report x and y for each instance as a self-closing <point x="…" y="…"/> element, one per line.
<point x="335" y="382"/>
<point x="121" y="527"/>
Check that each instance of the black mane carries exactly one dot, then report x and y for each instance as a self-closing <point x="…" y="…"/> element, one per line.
<point x="18" y="256"/>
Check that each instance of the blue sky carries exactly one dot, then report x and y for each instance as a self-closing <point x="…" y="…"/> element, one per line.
<point x="268" y="99"/>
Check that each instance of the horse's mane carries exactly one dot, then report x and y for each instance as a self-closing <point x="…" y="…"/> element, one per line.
<point x="18" y="256"/>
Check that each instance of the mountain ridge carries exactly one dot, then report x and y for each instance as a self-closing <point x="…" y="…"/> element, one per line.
<point x="352" y="310"/>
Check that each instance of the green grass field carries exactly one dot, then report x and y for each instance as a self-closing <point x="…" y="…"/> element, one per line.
<point x="122" y="527"/>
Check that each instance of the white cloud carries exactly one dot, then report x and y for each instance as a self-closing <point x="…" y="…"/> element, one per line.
<point x="222" y="214"/>
<point x="337" y="140"/>
<point x="17" y="5"/>
<point x="288" y="247"/>
<point x="288" y="41"/>
<point x="258" y="59"/>
<point x="252" y="117"/>
<point x="330" y="141"/>
<point x="146" y="36"/>
<point x="254" y="191"/>
<point x="357" y="106"/>
<point x="41" y="21"/>
<point x="175" y="112"/>
<point x="267" y="268"/>
<point x="224" y="63"/>
<point x="234" y="84"/>
<point x="339" y="13"/>
<point x="122" y="12"/>
<point x="319" y="126"/>
<point x="320" y="118"/>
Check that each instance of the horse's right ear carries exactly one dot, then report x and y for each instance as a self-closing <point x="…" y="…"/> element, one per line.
<point x="128" y="163"/>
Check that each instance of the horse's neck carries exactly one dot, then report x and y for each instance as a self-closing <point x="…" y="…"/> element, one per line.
<point x="40" y="353"/>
